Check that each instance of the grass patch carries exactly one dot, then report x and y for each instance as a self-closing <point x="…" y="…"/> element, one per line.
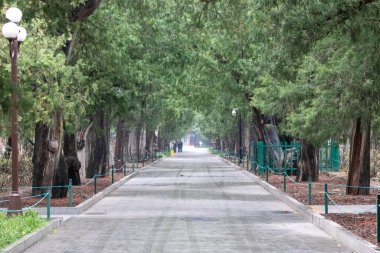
<point x="16" y="227"/>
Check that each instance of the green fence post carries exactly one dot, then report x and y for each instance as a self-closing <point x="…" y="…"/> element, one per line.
<point x="267" y="172"/>
<point x="70" y="192"/>
<point x="113" y="173"/>
<point x="254" y="164"/>
<point x="95" y="184"/>
<point x="326" y="200"/>
<point x="335" y="156"/>
<point x="133" y="165"/>
<point x="285" y="157"/>
<point x="378" y="218"/>
<point x="48" y="206"/>
<point x="260" y="157"/>
<point x="124" y="172"/>
<point x="284" y="180"/>
<point x="266" y="159"/>
<point x="309" y="195"/>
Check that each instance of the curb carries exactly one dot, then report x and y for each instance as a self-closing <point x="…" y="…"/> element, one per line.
<point x="27" y="241"/>
<point x="30" y="239"/>
<point x="82" y="207"/>
<point x="335" y="230"/>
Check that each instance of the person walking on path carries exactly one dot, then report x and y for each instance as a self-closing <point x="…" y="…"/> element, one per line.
<point x="180" y="145"/>
<point x="175" y="146"/>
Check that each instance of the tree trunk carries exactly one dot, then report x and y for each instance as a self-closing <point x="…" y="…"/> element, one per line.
<point x="132" y="144"/>
<point x="46" y="156"/>
<point x="308" y="163"/>
<point x="149" y="140"/>
<point x="120" y="143"/>
<point x="71" y="161"/>
<point x="142" y="142"/>
<point x="126" y="144"/>
<point x="98" y="146"/>
<point x="259" y="124"/>
<point x="69" y="145"/>
<point x="359" y="168"/>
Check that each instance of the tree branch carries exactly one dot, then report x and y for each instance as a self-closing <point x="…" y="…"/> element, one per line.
<point x="81" y="13"/>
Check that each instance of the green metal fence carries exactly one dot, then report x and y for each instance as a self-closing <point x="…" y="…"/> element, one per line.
<point x="329" y="157"/>
<point x="278" y="157"/>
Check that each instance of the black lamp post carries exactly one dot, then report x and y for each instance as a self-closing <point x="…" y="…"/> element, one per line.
<point x="16" y="35"/>
<point x="240" y="153"/>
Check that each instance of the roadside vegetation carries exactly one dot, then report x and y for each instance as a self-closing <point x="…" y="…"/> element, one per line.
<point x="16" y="227"/>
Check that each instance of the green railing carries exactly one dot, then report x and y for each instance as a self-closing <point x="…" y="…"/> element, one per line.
<point x="42" y="197"/>
<point x="277" y="156"/>
<point x="329" y="157"/>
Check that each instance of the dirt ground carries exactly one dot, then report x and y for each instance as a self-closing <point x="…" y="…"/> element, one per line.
<point x="363" y="225"/>
<point x="80" y="193"/>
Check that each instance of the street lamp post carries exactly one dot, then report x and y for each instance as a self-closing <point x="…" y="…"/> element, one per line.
<point x="240" y="153"/>
<point x="16" y="35"/>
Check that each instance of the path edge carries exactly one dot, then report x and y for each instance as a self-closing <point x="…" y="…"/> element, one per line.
<point x="335" y="230"/>
<point x="82" y="207"/>
<point x="29" y="240"/>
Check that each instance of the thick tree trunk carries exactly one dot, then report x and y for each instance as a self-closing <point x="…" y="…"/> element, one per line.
<point x="359" y="168"/>
<point x="69" y="145"/>
<point x="142" y="142"/>
<point x="259" y="124"/>
<point x="60" y="178"/>
<point x="126" y="144"/>
<point x="155" y="141"/>
<point x="40" y="157"/>
<point x="132" y="144"/>
<point x="120" y="142"/>
<point x="71" y="161"/>
<point x="98" y="146"/>
<point x="46" y="156"/>
<point x="149" y="140"/>
<point x="308" y="165"/>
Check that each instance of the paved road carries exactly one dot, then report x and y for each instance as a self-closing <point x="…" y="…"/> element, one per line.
<point x="192" y="202"/>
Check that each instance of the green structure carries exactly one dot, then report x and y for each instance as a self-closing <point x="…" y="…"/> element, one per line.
<point x="278" y="157"/>
<point x="329" y="157"/>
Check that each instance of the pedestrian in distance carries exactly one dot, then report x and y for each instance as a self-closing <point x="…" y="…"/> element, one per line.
<point x="180" y="145"/>
<point x="175" y="147"/>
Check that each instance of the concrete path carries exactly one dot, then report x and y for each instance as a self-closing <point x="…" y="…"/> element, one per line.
<point x="192" y="202"/>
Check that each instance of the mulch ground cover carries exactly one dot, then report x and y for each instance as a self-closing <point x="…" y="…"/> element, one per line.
<point x="80" y="193"/>
<point x="363" y="225"/>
